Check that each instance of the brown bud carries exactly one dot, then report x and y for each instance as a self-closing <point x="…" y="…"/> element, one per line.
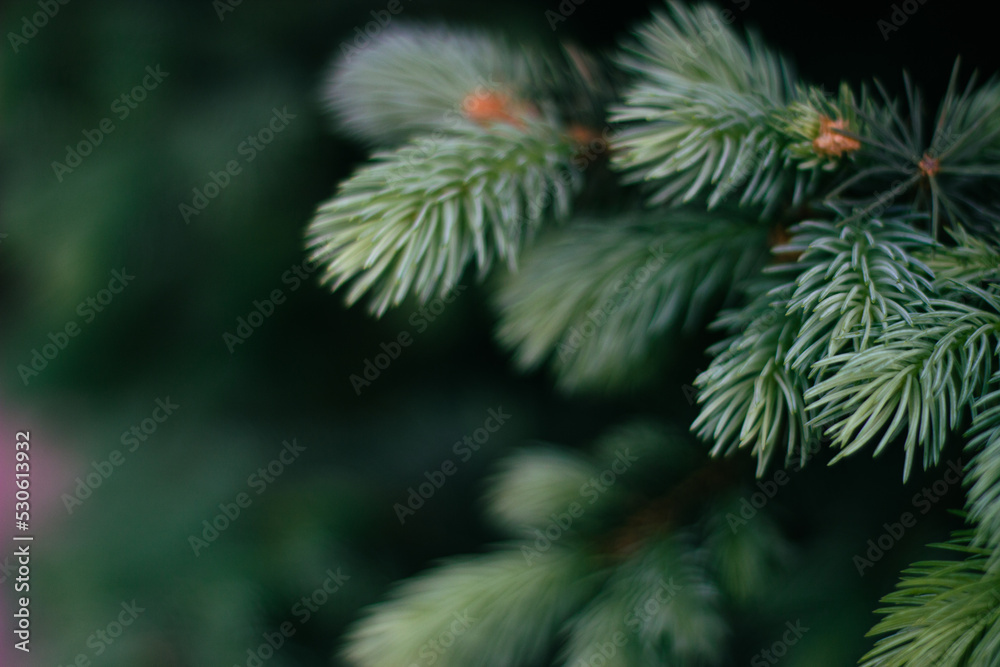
<point x="831" y="143"/>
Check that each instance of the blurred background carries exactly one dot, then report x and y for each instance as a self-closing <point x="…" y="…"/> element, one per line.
<point x="117" y="301"/>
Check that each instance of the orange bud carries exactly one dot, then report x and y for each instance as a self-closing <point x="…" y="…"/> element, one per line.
<point x="489" y="107"/>
<point x="929" y="166"/>
<point x="831" y="143"/>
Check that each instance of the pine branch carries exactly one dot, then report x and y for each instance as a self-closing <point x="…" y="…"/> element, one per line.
<point x="749" y="395"/>
<point x="972" y="260"/>
<point x="819" y="128"/>
<point x="953" y="173"/>
<point x="421" y="79"/>
<point x="410" y="221"/>
<point x="983" y="477"/>
<point x="533" y="485"/>
<point x="485" y="610"/>
<point x="943" y="613"/>
<point x="746" y="555"/>
<point x="702" y="115"/>
<point x="659" y="607"/>
<point x="917" y="380"/>
<point x="597" y="297"/>
<point x="854" y="279"/>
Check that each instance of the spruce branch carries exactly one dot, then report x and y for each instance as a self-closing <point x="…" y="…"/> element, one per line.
<point x="658" y="607"/>
<point x="972" y="260"/>
<point x="944" y="613"/>
<point x="918" y="380"/>
<point x="412" y="221"/>
<point x="983" y="477"/>
<point x="746" y="555"/>
<point x="854" y="279"/>
<point x="750" y="396"/>
<point x="817" y="124"/>
<point x="507" y="612"/>
<point x="533" y="485"/>
<point x="724" y="115"/>
<point x="596" y="297"/>
<point x="424" y="79"/>
<point x="953" y="173"/>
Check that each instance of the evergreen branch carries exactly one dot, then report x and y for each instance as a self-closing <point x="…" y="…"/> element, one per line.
<point x="750" y="396"/>
<point x="506" y="612"/>
<point x="413" y="222"/>
<point x="956" y="166"/>
<point x="703" y="115"/>
<point x="598" y="297"/>
<point x="943" y="613"/>
<point x="533" y="485"/>
<point x="419" y="79"/>
<point x="745" y="554"/>
<point x="853" y="276"/>
<point x="821" y="128"/>
<point x="659" y="607"/>
<point x="918" y="379"/>
<point x="973" y="260"/>
<point x="983" y="477"/>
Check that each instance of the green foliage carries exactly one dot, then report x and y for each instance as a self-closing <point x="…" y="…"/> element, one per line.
<point x="710" y="110"/>
<point x="701" y="115"/>
<point x="745" y="554"/>
<point x="488" y="610"/>
<point x="415" y="217"/>
<point x="377" y="100"/>
<point x="803" y="120"/>
<point x="658" y="607"/>
<point x="943" y="613"/>
<point x="917" y="380"/>
<point x="983" y="478"/>
<point x="532" y="485"/>
<point x="971" y="260"/>
<point x="953" y="172"/>
<point x="596" y="297"/>
<point x="751" y="397"/>
<point x="852" y="277"/>
<point x="587" y="565"/>
<point x="868" y="327"/>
